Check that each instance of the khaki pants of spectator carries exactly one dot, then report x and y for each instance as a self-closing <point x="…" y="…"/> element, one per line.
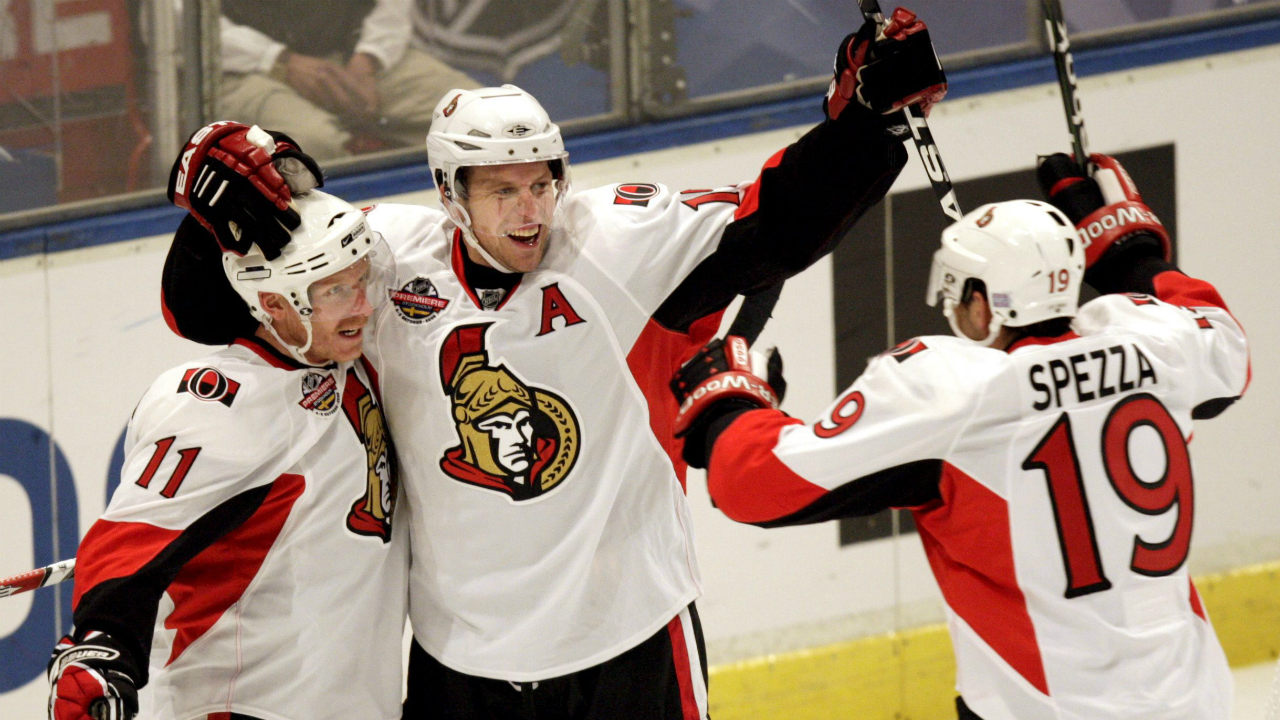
<point x="408" y="92"/>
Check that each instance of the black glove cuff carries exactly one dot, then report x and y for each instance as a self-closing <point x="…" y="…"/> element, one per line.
<point x="1130" y="265"/>
<point x="704" y="431"/>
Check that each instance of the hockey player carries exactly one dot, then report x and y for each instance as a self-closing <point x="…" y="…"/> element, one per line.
<point x="525" y="355"/>
<point x="1043" y="453"/>
<point x="248" y="566"/>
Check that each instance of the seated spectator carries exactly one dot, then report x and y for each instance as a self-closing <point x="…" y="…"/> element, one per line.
<point x="337" y="75"/>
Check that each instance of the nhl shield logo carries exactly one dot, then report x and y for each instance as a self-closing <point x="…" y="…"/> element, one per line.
<point x="319" y="393"/>
<point x="418" y="301"/>
<point x="514" y="438"/>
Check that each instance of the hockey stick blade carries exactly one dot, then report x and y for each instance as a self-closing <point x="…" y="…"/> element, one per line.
<point x="38" y="578"/>
<point x="1055" y="25"/>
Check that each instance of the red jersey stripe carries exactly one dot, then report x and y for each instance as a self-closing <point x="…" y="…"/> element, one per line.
<point x="751" y="198"/>
<point x="1196" y="606"/>
<point x="973" y="563"/>
<point x="114" y="550"/>
<point x="216" y="578"/>
<point x="745" y="450"/>
<point x="684" y="673"/>
<point x="654" y="358"/>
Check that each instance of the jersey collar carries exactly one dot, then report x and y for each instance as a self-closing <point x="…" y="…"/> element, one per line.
<point x="272" y="356"/>
<point x="460" y="270"/>
<point x="1028" y="340"/>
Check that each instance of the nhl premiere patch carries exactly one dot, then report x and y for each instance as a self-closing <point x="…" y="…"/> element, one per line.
<point x="319" y="393"/>
<point x="418" y="301"/>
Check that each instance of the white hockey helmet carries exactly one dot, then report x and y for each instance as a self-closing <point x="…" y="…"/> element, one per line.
<point x="333" y="236"/>
<point x="1027" y="255"/>
<point x="490" y="126"/>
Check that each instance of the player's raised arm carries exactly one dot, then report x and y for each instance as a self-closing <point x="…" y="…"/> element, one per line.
<point x="880" y="444"/>
<point x="724" y="241"/>
<point x="1128" y="250"/>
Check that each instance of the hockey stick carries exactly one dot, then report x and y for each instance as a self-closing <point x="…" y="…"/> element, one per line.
<point x="754" y="312"/>
<point x="756" y="309"/>
<point x="38" y="578"/>
<point x="1056" y="27"/>
<point x="922" y="136"/>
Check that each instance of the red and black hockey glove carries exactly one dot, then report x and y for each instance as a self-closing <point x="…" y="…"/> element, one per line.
<point x="92" y="679"/>
<point x="724" y="377"/>
<point x="238" y="181"/>
<point x="886" y="68"/>
<point x="1108" y="211"/>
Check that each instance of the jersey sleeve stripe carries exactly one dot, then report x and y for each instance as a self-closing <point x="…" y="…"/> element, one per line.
<point x="779" y="497"/>
<point x="989" y="601"/>
<point x="124" y="567"/>
<point x="751" y="198"/>
<point x="216" y="578"/>
<point x="653" y="359"/>
<point x="745" y="450"/>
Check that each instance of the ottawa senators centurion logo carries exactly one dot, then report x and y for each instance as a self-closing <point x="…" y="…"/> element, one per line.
<point x="514" y="438"/>
<point x="372" y="511"/>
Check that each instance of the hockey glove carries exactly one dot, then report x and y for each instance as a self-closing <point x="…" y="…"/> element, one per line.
<point x="92" y="679"/>
<point x="227" y="178"/>
<point x="726" y="370"/>
<point x="1107" y="209"/>
<point x="886" y="68"/>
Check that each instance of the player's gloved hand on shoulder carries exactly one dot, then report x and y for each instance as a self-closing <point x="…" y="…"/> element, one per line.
<point x="92" y="679"/>
<point x="886" y="68"/>
<point x="724" y="377"/>
<point x="1113" y="222"/>
<point x="238" y="182"/>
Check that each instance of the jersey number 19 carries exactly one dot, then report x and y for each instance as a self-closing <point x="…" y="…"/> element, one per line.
<point x="1056" y="456"/>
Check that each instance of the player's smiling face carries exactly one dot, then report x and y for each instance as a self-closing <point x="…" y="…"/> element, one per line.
<point x="511" y="208"/>
<point x="340" y="311"/>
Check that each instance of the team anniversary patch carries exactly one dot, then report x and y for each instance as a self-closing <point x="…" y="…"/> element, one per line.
<point x="418" y="301"/>
<point x="319" y="393"/>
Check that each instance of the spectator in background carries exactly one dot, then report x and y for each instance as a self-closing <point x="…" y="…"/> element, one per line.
<point x="337" y="75"/>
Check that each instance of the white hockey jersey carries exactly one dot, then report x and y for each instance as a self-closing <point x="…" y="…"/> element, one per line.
<point x="1052" y="489"/>
<point x="250" y="551"/>
<point x="550" y="527"/>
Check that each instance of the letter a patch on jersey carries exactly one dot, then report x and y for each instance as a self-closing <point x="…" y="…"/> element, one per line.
<point x="556" y="305"/>
<point x="210" y="385"/>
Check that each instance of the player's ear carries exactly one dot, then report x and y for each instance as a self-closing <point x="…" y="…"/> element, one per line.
<point x="275" y="305"/>
<point x="978" y="309"/>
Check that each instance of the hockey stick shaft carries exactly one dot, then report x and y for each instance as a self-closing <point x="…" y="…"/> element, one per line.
<point x="1055" y="25"/>
<point x="922" y="137"/>
<point x="38" y="578"/>
<point x="755" y="311"/>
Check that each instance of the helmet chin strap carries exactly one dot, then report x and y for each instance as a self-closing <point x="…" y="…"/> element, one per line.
<point x="297" y="353"/>
<point x="462" y="219"/>
<point x="993" y="328"/>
